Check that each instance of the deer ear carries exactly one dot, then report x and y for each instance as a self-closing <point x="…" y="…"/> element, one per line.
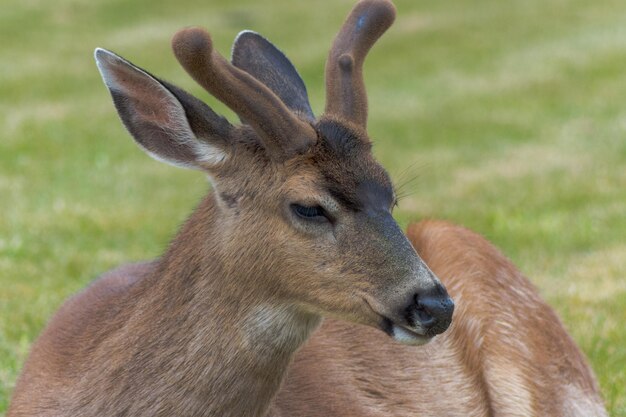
<point x="260" y="58"/>
<point x="168" y="123"/>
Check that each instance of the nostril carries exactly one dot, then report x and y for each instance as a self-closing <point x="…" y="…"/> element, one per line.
<point x="423" y="315"/>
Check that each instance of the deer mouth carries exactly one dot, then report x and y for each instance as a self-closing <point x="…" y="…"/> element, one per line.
<point x="399" y="332"/>
<point x="403" y="334"/>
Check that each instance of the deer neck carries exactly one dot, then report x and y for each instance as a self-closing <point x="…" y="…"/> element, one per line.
<point x="230" y="340"/>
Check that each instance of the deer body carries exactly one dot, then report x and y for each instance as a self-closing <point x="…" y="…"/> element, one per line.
<point x="298" y="227"/>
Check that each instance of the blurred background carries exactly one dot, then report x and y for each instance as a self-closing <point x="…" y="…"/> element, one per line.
<point x="508" y="117"/>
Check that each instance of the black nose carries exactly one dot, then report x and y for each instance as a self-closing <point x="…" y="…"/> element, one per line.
<point x="431" y="311"/>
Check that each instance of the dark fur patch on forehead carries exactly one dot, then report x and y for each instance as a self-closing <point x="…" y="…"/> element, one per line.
<point x="340" y="137"/>
<point x="351" y="175"/>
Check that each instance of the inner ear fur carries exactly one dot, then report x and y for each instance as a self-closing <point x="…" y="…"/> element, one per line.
<point x="167" y="122"/>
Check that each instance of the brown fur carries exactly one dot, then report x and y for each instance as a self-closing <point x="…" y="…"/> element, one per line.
<point x="506" y="353"/>
<point x="299" y="227"/>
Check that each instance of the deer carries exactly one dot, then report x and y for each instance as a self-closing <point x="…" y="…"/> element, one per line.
<point x="291" y="290"/>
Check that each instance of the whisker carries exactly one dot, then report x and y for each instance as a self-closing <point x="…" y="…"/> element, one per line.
<point x="408" y="176"/>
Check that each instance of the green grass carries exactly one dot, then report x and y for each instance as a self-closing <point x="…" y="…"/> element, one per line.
<point x="506" y="117"/>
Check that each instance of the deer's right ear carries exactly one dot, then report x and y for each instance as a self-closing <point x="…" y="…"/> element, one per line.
<point x="168" y="123"/>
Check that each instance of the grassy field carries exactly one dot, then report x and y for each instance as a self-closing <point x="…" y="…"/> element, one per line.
<point x="506" y="117"/>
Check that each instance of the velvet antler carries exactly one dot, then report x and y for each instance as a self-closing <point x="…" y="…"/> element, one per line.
<point x="345" y="90"/>
<point x="283" y="134"/>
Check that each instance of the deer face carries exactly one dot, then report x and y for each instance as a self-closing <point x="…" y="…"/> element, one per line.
<point x="301" y="199"/>
<point x="351" y="258"/>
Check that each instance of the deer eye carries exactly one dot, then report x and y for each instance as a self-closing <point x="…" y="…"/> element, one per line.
<point x="310" y="212"/>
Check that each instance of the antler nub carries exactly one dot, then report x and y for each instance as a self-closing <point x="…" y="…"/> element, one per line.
<point x="281" y="131"/>
<point x="346" y="62"/>
<point x="345" y="90"/>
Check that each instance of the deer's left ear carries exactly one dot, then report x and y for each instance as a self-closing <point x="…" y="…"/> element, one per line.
<point x="168" y="123"/>
<point x="260" y="58"/>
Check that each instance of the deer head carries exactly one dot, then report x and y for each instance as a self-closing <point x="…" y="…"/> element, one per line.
<point x="304" y="209"/>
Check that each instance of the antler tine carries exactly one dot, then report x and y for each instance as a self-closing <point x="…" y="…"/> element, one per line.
<point x="281" y="132"/>
<point x="345" y="90"/>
